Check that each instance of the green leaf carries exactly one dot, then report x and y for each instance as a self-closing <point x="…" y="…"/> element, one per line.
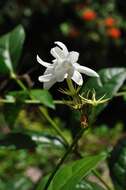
<point x="110" y="81"/>
<point x="43" y="96"/>
<point x="88" y="185"/>
<point x="117" y="164"/>
<point x="11" y="113"/>
<point x="83" y="185"/>
<point x="70" y="175"/>
<point x="10" y="49"/>
<point x="19" y="96"/>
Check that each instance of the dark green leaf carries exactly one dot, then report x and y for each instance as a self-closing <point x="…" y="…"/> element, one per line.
<point x="117" y="165"/>
<point x="43" y="96"/>
<point x="11" y="113"/>
<point x="70" y="175"/>
<point x="110" y="81"/>
<point x="10" y="49"/>
<point x="19" y="96"/>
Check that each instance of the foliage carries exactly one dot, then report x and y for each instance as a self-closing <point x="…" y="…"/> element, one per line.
<point x="33" y="135"/>
<point x="117" y="164"/>
<point x="74" y="172"/>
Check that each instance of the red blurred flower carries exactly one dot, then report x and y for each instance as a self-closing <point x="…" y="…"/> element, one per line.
<point x="89" y="15"/>
<point x="114" y="33"/>
<point x="109" y="22"/>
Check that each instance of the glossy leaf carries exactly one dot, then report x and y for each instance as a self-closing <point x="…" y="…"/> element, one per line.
<point x="83" y="185"/>
<point x="117" y="164"/>
<point x="10" y="49"/>
<point x="44" y="97"/>
<point x="108" y="84"/>
<point x="70" y="175"/>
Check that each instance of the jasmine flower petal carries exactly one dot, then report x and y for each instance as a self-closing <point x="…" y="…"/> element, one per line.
<point x="48" y="85"/>
<point x="64" y="65"/>
<point x="86" y="70"/>
<point x="73" y="55"/>
<point x="45" y="78"/>
<point x="57" y="53"/>
<point x="45" y="64"/>
<point x="77" y="78"/>
<point x="63" y="47"/>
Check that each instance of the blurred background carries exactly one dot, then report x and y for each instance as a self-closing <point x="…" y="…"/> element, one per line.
<point x="94" y="28"/>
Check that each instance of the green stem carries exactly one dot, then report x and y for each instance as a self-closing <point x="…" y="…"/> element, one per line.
<point x="54" y="125"/>
<point x="70" y="86"/>
<point x="73" y="91"/>
<point x="46" y="115"/>
<point x="20" y="83"/>
<point x="64" y="157"/>
<point x="95" y="172"/>
<point x="29" y="101"/>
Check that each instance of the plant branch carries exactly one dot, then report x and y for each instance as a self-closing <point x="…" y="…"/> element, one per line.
<point x="69" y="150"/>
<point x="45" y="114"/>
<point x="54" y="125"/>
<point x="29" y="101"/>
<point x="96" y="173"/>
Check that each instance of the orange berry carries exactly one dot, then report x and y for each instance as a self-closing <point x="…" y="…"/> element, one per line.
<point x="109" y="21"/>
<point x="114" y="33"/>
<point x="89" y="15"/>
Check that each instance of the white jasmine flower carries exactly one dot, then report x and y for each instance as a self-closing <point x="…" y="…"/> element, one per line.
<point x="63" y="66"/>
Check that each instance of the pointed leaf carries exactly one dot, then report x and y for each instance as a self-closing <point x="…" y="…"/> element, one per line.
<point x="70" y="175"/>
<point x="108" y="84"/>
<point x="10" y="49"/>
<point x="44" y="97"/>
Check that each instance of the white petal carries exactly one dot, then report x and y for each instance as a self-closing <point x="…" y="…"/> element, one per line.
<point x="86" y="70"/>
<point x="77" y="77"/>
<point x="49" y="71"/>
<point x="45" y="64"/>
<point x="60" y="76"/>
<point x="73" y="55"/>
<point x="49" y="84"/>
<point x="57" y="53"/>
<point x="63" y="47"/>
<point x="45" y="78"/>
<point x="66" y="75"/>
